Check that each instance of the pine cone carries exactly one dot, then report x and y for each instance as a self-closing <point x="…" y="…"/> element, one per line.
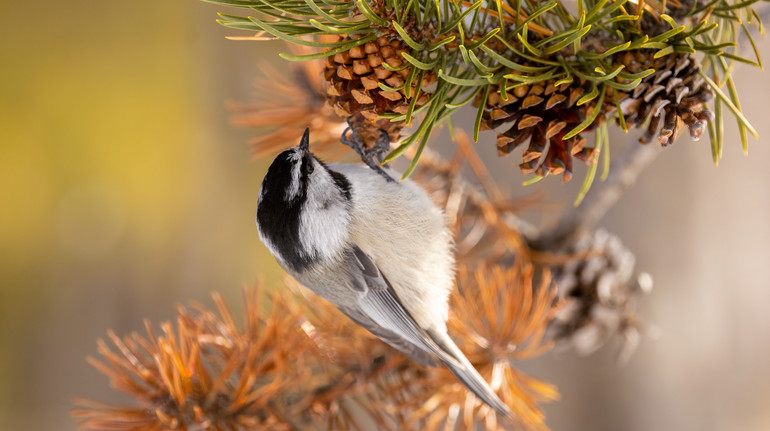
<point x="601" y="293"/>
<point x="679" y="9"/>
<point x="652" y="25"/>
<point x="674" y="95"/>
<point x="354" y="77"/>
<point x="540" y="113"/>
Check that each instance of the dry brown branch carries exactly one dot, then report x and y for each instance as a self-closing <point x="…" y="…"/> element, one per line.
<point x="303" y="365"/>
<point x="625" y="170"/>
<point x="285" y="105"/>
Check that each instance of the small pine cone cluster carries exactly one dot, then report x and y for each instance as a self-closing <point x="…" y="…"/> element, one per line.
<point x="601" y="293"/>
<point x="671" y="98"/>
<point x="354" y="91"/>
<point x="540" y="114"/>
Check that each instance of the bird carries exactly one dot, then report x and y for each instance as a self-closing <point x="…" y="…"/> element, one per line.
<point x="376" y="248"/>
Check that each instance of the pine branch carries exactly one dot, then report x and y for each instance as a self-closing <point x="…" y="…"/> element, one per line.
<point x="583" y="219"/>
<point x="537" y="73"/>
<point x="293" y="366"/>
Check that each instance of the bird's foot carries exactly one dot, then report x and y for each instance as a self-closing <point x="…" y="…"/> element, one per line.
<point x="372" y="157"/>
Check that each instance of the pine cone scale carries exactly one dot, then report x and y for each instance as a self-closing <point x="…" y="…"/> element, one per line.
<point x="355" y="77"/>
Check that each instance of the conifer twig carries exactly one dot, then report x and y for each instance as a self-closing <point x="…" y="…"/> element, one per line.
<point x="539" y="74"/>
<point x="625" y="170"/>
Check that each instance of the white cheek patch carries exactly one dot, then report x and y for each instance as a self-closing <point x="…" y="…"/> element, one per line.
<point x="325" y="218"/>
<point x="293" y="190"/>
<point x="324" y="232"/>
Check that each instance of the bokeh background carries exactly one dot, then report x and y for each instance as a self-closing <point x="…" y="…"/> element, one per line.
<point x="124" y="190"/>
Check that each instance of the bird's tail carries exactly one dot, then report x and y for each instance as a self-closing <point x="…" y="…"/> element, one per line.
<point x="462" y="368"/>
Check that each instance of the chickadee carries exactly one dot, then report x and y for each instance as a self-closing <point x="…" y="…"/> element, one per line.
<point x="379" y="250"/>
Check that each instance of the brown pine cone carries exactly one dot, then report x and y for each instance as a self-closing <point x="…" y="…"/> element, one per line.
<point x="540" y="114"/>
<point x="354" y="78"/>
<point x="673" y="96"/>
<point x="601" y="293"/>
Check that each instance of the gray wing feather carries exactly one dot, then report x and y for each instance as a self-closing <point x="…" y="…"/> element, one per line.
<point x="390" y="337"/>
<point x="384" y="315"/>
<point x="381" y="312"/>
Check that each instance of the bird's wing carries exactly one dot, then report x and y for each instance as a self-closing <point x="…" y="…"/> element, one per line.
<point x="394" y="340"/>
<point x="380" y="311"/>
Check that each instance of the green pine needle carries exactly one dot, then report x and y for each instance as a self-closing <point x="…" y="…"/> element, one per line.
<point x="478" y="48"/>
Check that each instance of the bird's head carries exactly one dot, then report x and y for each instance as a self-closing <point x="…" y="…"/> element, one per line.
<point x="300" y="201"/>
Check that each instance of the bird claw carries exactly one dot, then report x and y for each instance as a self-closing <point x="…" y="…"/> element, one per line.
<point x="371" y="157"/>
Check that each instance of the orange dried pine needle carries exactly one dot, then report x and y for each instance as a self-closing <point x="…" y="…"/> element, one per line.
<point x="308" y="367"/>
<point x="285" y="106"/>
<point x="208" y="374"/>
<point x="497" y="316"/>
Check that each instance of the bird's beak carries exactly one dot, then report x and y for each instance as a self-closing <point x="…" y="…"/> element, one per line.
<point x="304" y="144"/>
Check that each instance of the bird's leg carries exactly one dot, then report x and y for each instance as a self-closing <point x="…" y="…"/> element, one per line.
<point x="381" y="146"/>
<point x="371" y="157"/>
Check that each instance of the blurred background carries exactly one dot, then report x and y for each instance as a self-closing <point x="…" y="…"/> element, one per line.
<point x="124" y="190"/>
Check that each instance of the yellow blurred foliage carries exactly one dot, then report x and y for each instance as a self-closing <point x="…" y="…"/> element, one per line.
<point x="123" y="188"/>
